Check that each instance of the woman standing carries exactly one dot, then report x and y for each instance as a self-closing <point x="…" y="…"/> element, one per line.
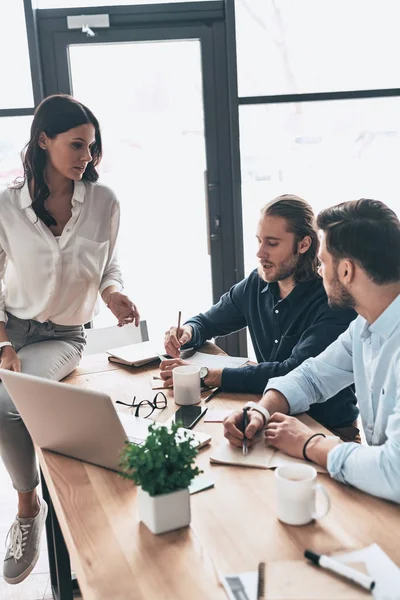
<point x="58" y="233"/>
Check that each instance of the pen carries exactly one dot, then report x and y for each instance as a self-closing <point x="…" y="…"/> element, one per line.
<point x="212" y="395"/>
<point x="179" y="324"/>
<point x="346" y="571"/>
<point x="161" y="357"/>
<point x="245" y="448"/>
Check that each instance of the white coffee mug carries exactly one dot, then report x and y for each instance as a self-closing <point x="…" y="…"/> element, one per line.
<point x="186" y="382"/>
<point x="297" y="489"/>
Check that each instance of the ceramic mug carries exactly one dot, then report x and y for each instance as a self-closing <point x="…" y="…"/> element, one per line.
<point x="186" y="380"/>
<point x="297" y="489"/>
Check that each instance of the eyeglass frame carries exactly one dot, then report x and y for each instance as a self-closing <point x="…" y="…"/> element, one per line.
<point x="152" y="404"/>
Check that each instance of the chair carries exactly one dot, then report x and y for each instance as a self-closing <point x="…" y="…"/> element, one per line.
<point x="104" y="338"/>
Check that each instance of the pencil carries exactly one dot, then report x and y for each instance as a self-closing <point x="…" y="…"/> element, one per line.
<point x="179" y="325"/>
<point x="245" y="422"/>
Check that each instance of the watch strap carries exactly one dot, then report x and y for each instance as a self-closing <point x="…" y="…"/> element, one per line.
<point x="3" y="344"/>
<point x="263" y="411"/>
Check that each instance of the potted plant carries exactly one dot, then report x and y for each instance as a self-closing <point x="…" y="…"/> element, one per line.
<point x="163" y="468"/>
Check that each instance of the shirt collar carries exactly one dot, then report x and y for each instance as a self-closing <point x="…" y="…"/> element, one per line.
<point x="26" y="200"/>
<point x="387" y="322"/>
<point x="295" y="294"/>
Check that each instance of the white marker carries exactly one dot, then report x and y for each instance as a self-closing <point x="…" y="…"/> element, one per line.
<point x="341" y="569"/>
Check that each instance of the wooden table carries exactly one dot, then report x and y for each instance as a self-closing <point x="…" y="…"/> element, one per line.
<point x="233" y="525"/>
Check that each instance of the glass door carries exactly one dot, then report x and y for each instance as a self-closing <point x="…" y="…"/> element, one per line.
<point x="160" y="82"/>
<point x="148" y="98"/>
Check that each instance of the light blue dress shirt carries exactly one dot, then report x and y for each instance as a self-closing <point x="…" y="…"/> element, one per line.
<point x="369" y="356"/>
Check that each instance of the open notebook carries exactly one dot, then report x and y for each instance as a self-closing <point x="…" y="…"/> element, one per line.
<point x="259" y="456"/>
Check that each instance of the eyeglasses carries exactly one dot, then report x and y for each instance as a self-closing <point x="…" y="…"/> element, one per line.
<point x="145" y="408"/>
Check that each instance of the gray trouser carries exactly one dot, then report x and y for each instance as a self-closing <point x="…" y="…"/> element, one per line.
<point x="45" y="350"/>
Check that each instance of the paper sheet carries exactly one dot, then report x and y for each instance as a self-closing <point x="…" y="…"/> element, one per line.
<point x="215" y="361"/>
<point x="217" y="415"/>
<point x="249" y="581"/>
<point x="385" y="573"/>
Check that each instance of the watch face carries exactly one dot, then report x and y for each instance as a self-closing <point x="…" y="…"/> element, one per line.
<point x="203" y="372"/>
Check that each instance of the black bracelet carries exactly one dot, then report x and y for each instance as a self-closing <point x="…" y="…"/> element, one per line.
<point x="306" y="444"/>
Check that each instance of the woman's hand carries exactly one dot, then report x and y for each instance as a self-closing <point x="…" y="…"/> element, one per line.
<point x="123" y="308"/>
<point x="9" y="359"/>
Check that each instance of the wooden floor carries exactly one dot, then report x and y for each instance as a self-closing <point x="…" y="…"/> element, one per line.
<point x="37" y="585"/>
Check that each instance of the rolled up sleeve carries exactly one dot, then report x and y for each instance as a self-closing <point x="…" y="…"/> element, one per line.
<point x="372" y="469"/>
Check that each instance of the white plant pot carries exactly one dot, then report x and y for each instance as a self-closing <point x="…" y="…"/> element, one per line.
<point x="164" y="512"/>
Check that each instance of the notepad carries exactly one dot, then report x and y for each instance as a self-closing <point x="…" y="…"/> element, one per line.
<point x="299" y="580"/>
<point x="259" y="456"/>
<point x="135" y="355"/>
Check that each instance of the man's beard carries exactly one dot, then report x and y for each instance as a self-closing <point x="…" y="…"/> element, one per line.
<point x="338" y="296"/>
<point x="283" y="271"/>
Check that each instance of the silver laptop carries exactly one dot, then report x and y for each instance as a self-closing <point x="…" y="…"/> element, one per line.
<point x="74" y="421"/>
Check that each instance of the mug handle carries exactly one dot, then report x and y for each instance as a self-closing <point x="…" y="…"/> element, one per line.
<point x="320" y="488"/>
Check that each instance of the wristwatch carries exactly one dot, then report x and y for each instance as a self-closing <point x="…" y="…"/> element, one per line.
<point x="203" y="375"/>
<point x="263" y="411"/>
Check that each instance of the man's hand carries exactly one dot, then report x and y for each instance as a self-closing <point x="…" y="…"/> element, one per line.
<point x="166" y="368"/>
<point x="172" y="343"/>
<point x="233" y="427"/>
<point x="213" y="378"/>
<point x="287" y="434"/>
<point x="9" y="359"/>
<point x="123" y="308"/>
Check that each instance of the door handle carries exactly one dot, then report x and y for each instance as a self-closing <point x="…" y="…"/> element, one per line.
<point x="213" y="221"/>
<point x="217" y="229"/>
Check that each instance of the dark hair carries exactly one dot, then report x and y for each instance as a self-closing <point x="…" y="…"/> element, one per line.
<point x="55" y="114"/>
<point x="366" y="231"/>
<point x="301" y="222"/>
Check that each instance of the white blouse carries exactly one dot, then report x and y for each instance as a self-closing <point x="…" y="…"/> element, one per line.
<point x="47" y="279"/>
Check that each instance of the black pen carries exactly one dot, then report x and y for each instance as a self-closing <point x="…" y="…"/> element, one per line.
<point x="245" y="448"/>
<point x="212" y="395"/>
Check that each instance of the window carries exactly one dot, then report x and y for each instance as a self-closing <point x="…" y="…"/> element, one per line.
<point x="15" y="74"/>
<point x="327" y="152"/>
<point x="289" y="47"/>
<point x="14" y="134"/>
<point x="79" y="3"/>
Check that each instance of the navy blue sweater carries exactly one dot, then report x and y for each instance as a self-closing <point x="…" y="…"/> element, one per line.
<point x="284" y="334"/>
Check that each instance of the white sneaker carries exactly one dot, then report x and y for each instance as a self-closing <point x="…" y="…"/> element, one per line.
<point x="23" y="546"/>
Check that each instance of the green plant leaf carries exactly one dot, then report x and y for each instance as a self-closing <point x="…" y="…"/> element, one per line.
<point x="163" y="464"/>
